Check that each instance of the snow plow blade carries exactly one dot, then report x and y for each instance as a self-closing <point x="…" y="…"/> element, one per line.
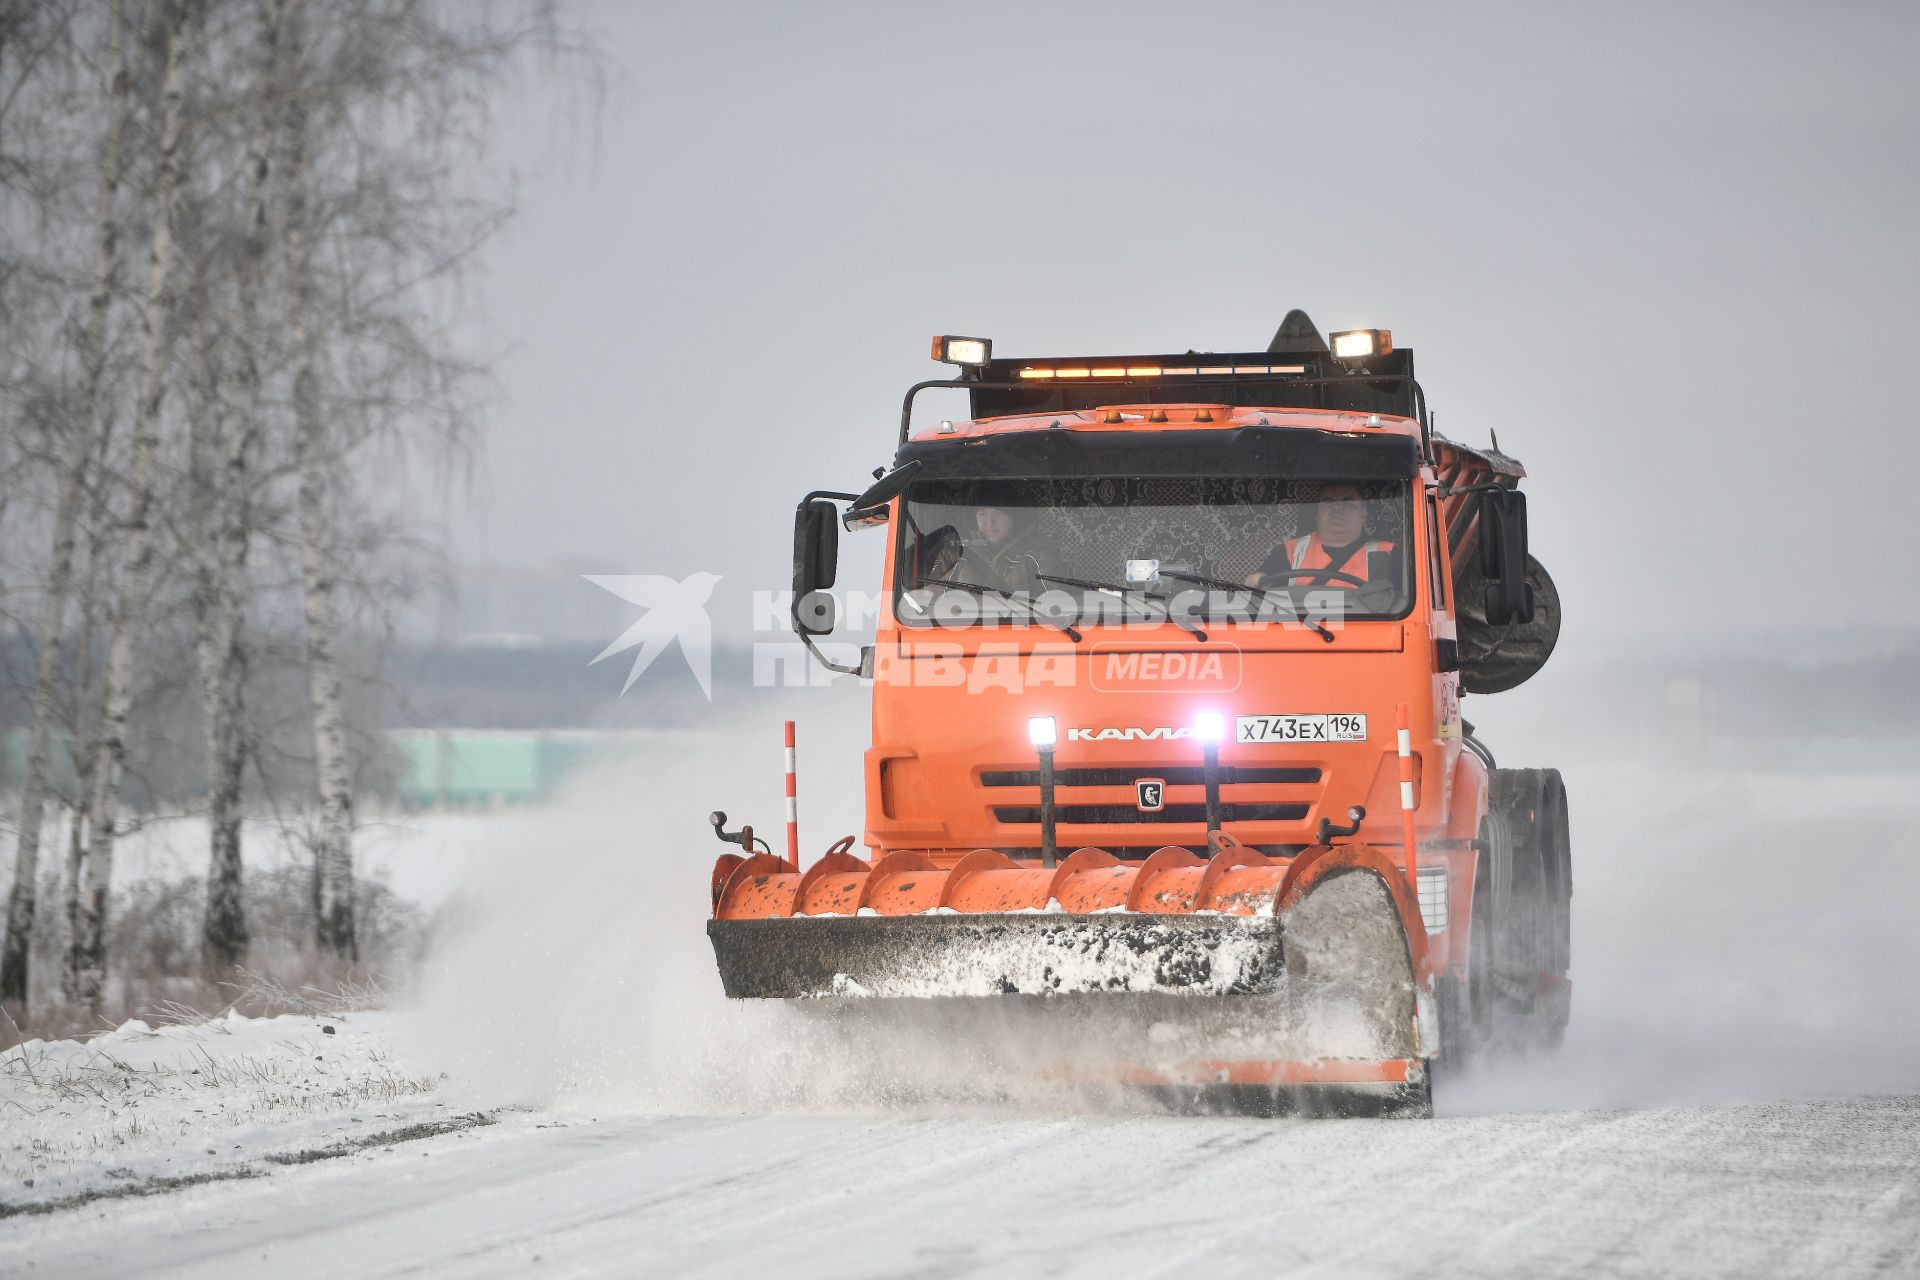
<point x="998" y="954"/>
<point x="1240" y="982"/>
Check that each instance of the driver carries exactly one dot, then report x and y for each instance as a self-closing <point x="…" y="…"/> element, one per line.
<point x="1338" y="542"/>
<point x="1007" y="555"/>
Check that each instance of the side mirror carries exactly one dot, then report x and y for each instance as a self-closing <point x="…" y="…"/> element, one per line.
<point x="871" y="505"/>
<point x="1503" y="557"/>
<point x="816" y="559"/>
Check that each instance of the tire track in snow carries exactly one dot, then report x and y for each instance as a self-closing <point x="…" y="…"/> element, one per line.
<point x="1823" y="1188"/>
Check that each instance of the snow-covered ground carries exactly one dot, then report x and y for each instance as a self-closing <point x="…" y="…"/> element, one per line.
<point x="1790" y="1189"/>
<point x="1739" y="1093"/>
<point x="217" y="1099"/>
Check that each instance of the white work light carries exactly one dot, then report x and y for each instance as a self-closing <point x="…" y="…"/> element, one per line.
<point x="1142" y="570"/>
<point x="1209" y="726"/>
<point x="1041" y="731"/>
<point x="972" y="352"/>
<point x="1433" y="898"/>
<point x="1359" y="344"/>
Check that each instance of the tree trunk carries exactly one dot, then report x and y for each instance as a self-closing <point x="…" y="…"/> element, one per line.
<point x="336" y="932"/>
<point x="15" y="958"/>
<point x="136" y="572"/>
<point x="86" y="714"/>
<point x="224" y="934"/>
<point x="215" y="608"/>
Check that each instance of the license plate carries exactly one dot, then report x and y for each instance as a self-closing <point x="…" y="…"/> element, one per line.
<point x="1332" y="728"/>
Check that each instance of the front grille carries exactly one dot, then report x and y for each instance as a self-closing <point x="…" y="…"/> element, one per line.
<point x="1110" y="814"/>
<point x="1178" y="776"/>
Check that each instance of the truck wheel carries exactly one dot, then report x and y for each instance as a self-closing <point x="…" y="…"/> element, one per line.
<point x="1515" y="995"/>
<point x="1466" y="1004"/>
<point x="1456" y="1027"/>
<point x="1531" y="897"/>
<point x="1557" y="856"/>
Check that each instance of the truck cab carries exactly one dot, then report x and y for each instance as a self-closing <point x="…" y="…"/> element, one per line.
<point x="1127" y="612"/>
<point x="1144" y="557"/>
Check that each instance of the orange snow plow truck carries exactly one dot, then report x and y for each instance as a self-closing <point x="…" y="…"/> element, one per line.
<point x="1168" y="756"/>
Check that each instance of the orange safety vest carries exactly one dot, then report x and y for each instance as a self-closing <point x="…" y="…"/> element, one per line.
<point x="1311" y="553"/>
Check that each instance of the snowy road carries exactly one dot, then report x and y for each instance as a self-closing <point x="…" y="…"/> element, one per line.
<point x="1739" y="1095"/>
<point x="1779" y="1189"/>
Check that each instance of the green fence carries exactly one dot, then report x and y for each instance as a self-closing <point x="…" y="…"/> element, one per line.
<point x="484" y="768"/>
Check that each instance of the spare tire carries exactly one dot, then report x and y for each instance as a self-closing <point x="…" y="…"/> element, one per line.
<point x="1495" y="659"/>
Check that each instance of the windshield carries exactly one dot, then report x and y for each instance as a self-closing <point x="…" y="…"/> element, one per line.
<point x="1113" y="549"/>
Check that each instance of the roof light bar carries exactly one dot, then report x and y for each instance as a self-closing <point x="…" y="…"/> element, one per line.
<point x="1034" y="372"/>
<point x="1361" y="344"/>
<point x="973" y="353"/>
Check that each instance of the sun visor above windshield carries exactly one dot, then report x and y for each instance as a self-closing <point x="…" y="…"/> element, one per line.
<point x="1241" y="451"/>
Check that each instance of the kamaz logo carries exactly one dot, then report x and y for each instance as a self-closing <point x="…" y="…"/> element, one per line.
<point x="1159" y="733"/>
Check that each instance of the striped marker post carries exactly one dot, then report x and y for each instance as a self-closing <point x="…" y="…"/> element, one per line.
<point x="793" y="804"/>
<point x="1406" y="796"/>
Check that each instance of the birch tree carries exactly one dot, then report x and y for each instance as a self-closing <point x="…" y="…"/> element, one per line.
<point x="216" y="606"/>
<point x="84" y="726"/>
<point x="301" y="267"/>
<point x="385" y="140"/>
<point x="136" y="571"/>
<point x="21" y="906"/>
<point x="334" y="882"/>
<point x="225" y="428"/>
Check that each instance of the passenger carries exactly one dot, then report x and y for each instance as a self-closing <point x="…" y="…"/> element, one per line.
<point x="1339" y="542"/>
<point x="1007" y="556"/>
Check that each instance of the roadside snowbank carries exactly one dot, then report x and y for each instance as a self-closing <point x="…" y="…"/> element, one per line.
<point x="141" y="1105"/>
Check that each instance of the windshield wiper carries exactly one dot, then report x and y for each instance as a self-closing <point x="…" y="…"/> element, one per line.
<point x="1125" y="592"/>
<point x="981" y="589"/>
<point x="1221" y="584"/>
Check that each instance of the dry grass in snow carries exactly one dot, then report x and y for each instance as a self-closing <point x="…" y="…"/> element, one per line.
<point x="198" y="1097"/>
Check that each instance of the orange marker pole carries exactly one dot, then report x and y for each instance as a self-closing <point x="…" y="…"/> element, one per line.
<point x="793" y="809"/>
<point x="1406" y="798"/>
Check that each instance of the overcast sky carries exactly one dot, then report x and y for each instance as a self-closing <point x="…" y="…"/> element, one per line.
<point x="1671" y="254"/>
